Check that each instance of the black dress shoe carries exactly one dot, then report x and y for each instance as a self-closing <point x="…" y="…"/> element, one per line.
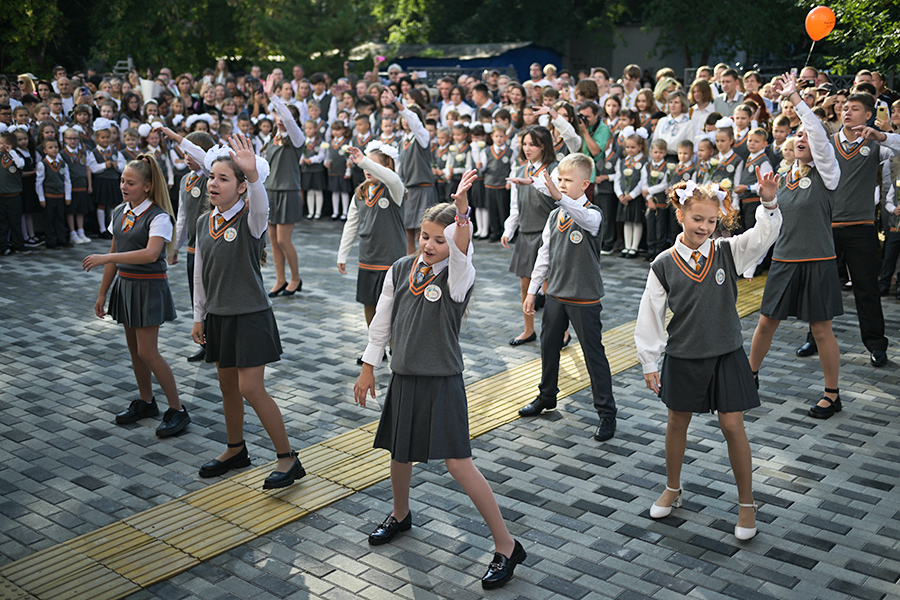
<point x="535" y="407"/>
<point x="214" y="468"/>
<point x="198" y="356"/>
<point x="606" y="430"/>
<point x="825" y="412"/>
<point x="173" y="422"/>
<point x="878" y="358"/>
<point x="389" y="528"/>
<point x="279" y="479"/>
<point x="807" y="349"/>
<point x="288" y="292"/>
<point x="501" y="568"/>
<point x="138" y="409"/>
<point x="277" y="292"/>
<point x="525" y="340"/>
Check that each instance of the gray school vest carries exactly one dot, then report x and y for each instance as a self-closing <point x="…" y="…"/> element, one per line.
<point x="683" y="172"/>
<point x="859" y="175"/>
<point x="76" y="163"/>
<point x="284" y="162"/>
<point x="425" y="323"/>
<point x="336" y="158"/>
<point x="496" y="167"/>
<point x="160" y="156"/>
<point x="137" y="238"/>
<point x="102" y="157"/>
<point x="806" y="208"/>
<point x="534" y="207"/>
<point x="726" y="169"/>
<point x="662" y="171"/>
<point x="230" y="266"/>
<point x="360" y="142"/>
<point x="740" y="146"/>
<point x="10" y="177"/>
<point x="748" y="175"/>
<point x="439" y="157"/>
<point x="415" y="163"/>
<point x="605" y="164"/>
<point x="574" y="259"/>
<point x="54" y="179"/>
<point x="325" y="105"/>
<point x="307" y="152"/>
<point x="704" y="320"/>
<point x="382" y="237"/>
<point x="193" y="191"/>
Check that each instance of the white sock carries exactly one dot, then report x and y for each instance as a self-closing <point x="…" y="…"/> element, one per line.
<point x="81" y="233"/>
<point x="628" y="235"/>
<point x="481" y="214"/>
<point x="636" y="236"/>
<point x="345" y="203"/>
<point x="335" y="204"/>
<point x="317" y="196"/>
<point x="310" y="202"/>
<point x="101" y="219"/>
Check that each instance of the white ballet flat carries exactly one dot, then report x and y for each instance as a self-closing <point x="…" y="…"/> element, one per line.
<point x="745" y="533"/>
<point x="659" y="512"/>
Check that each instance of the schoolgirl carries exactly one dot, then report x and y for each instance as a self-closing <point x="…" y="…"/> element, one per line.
<point x="644" y="105"/>
<point x="440" y="154"/>
<point x="684" y="171"/>
<point x="376" y="216"/>
<point x="421" y="308"/>
<point x="76" y="162"/>
<point x="82" y="116"/>
<point x="528" y="211"/>
<point x="233" y="316"/>
<point x="54" y="191"/>
<point x="312" y="170"/>
<point x="339" y="170"/>
<point x="151" y="140"/>
<point x="131" y="144"/>
<point x="627" y="187"/>
<point x="321" y="124"/>
<point x="727" y="165"/>
<point x="283" y="190"/>
<point x="106" y="165"/>
<point x="140" y="299"/>
<point x="742" y="125"/>
<point x="654" y="181"/>
<point x="706" y="150"/>
<point x="477" y="200"/>
<point x="705" y="368"/>
<point x="803" y="280"/>
<point x="361" y="138"/>
<point x="30" y="204"/>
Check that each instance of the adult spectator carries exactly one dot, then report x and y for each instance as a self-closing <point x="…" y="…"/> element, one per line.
<point x="445" y="84"/>
<point x="298" y="74"/>
<point x="65" y="92"/>
<point x="731" y="97"/>
<point x="601" y="78"/>
<point x="664" y="86"/>
<point x="593" y="131"/>
<point x="481" y="97"/>
<point x="457" y="103"/>
<point x="535" y="73"/>
<point x="701" y="98"/>
<point x="753" y="82"/>
<point x="882" y="92"/>
<point x="676" y="126"/>
<point x="631" y="75"/>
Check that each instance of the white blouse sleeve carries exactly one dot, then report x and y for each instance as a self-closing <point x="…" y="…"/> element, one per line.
<point x="650" y="328"/>
<point x="380" y="327"/>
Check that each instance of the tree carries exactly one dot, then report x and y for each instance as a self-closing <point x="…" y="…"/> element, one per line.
<point x="865" y="35"/>
<point x="31" y="28"/>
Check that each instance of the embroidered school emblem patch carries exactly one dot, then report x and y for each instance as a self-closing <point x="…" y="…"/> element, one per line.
<point x="864" y="150"/>
<point x="195" y="192"/>
<point x="12" y="169"/>
<point x="433" y="293"/>
<point x="805" y="182"/>
<point x="608" y="165"/>
<point x="230" y="234"/>
<point x="506" y="160"/>
<point x="575" y="237"/>
<point x="686" y="176"/>
<point x="720" y="276"/>
<point x="638" y="166"/>
<point x="384" y="203"/>
<point x="730" y="168"/>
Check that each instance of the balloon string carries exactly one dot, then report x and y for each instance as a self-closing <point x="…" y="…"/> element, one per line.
<point x="808" y="56"/>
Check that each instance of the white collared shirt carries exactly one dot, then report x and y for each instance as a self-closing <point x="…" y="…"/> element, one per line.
<point x="160" y="226"/>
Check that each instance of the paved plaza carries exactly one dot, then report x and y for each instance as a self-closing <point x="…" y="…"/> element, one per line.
<point x="829" y="514"/>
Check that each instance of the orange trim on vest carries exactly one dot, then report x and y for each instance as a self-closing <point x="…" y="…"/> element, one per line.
<point x="784" y="260"/>
<point x="217" y="234"/>
<point x="143" y="275"/>
<point x="848" y="223"/>
<point x="686" y="268"/>
<point x="374" y="267"/>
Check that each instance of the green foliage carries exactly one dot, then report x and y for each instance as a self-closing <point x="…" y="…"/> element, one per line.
<point x="866" y="35"/>
<point x="30" y="29"/>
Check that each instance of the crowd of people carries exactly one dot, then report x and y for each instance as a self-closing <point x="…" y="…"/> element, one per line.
<point x="729" y="175"/>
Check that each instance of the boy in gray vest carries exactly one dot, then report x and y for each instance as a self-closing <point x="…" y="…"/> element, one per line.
<point x="569" y="259"/>
<point x="54" y="191"/>
<point x="11" y="163"/>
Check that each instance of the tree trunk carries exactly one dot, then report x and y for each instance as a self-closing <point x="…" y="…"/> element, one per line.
<point x="686" y="52"/>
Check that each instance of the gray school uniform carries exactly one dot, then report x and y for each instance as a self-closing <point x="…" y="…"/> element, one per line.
<point x="859" y="172"/>
<point x="77" y="164"/>
<point x="415" y="168"/>
<point x="740" y="146"/>
<point x="750" y="200"/>
<point x="357" y="176"/>
<point x="54" y="193"/>
<point x="803" y="280"/>
<point x="312" y="176"/>
<point x="633" y="212"/>
<point x="106" y="182"/>
<point x="192" y="192"/>
<point x="425" y="414"/>
<point x="283" y="184"/>
<point x="240" y="325"/>
<point x="534" y="209"/>
<point x="140" y="295"/>
<point x="705" y="368"/>
<point x="439" y="158"/>
<point x="726" y="169"/>
<point x="337" y="158"/>
<point x="382" y="240"/>
<point x="496" y="169"/>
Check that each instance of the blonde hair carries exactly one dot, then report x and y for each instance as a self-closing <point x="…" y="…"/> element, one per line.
<point x="576" y="162"/>
<point x="705" y="193"/>
<point x="146" y="165"/>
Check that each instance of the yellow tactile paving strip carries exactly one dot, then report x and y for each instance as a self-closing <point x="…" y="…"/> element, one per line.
<point x="159" y="543"/>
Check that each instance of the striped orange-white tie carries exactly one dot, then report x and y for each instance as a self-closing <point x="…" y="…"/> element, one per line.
<point x="220" y="220"/>
<point x="696" y="256"/>
<point x="424" y="270"/>
<point x="129" y="221"/>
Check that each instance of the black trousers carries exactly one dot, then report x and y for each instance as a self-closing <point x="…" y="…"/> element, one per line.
<point x="190" y="274"/>
<point x="608" y="203"/>
<point x="55" y="212"/>
<point x="498" y="200"/>
<point x="657" y="231"/>
<point x="859" y="246"/>
<point x="585" y="319"/>
<point x="889" y="263"/>
<point x="11" y="223"/>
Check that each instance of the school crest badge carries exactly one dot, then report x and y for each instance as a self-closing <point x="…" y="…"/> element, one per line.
<point x="230" y="234"/>
<point x="720" y="276"/>
<point x="433" y="293"/>
<point x="575" y="237"/>
<point x="805" y="182"/>
<point x="384" y="203"/>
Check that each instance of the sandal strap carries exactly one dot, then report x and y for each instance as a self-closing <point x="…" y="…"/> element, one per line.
<point x="753" y="505"/>
<point x="237" y="445"/>
<point x="832" y="390"/>
<point x="668" y="489"/>
<point x="291" y="454"/>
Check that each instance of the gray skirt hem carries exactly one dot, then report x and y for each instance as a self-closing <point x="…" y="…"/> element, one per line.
<point x="242" y="341"/>
<point x="368" y="286"/>
<point x="706" y="385"/>
<point x="525" y="253"/>
<point x="285" y="207"/>
<point x="424" y="418"/>
<point x="418" y="199"/>
<point x="141" y="303"/>
<point x="808" y="290"/>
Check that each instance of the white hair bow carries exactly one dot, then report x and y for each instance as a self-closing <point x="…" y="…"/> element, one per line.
<point x="686" y="192"/>
<point x="177" y="119"/>
<point x="100" y="124"/>
<point x="386" y="149"/>
<point x="223" y="150"/>
<point x="721" y="195"/>
<point x="144" y="130"/>
<point x="630" y="131"/>
<point x="725" y="123"/>
<point x="13" y="128"/>
<point x="65" y="128"/>
<point x="3" y="128"/>
<point x="488" y="128"/>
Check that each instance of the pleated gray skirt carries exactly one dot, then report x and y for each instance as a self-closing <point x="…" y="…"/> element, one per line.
<point x="424" y="418"/>
<point x="809" y="290"/>
<point x="285" y="207"/>
<point x="706" y="385"/>
<point x="141" y="302"/>
<point x="525" y="252"/>
<point x="418" y="199"/>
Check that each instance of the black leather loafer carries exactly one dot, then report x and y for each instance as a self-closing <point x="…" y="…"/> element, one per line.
<point x="501" y="568"/>
<point x="807" y="349"/>
<point x="389" y="528"/>
<point x="137" y="410"/>
<point x="878" y="358"/>
<point x="535" y="407"/>
<point x="173" y="422"/>
<point x="606" y="430"/>
<point x="198" y="356"/>
<point x="826" y="412"/>
<point x="214" y="468"/>
<point x="525" y="340"/>
<point x="279" y="479"/>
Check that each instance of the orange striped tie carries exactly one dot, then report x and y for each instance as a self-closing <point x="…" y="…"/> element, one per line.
<point x="129" y="221"/>
<point x="220" y="220"/>
<point x="696" y="256"/>
<point x="424" y="270"/>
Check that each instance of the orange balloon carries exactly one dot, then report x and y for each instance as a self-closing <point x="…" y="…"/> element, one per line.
<point x="819" y="22"/>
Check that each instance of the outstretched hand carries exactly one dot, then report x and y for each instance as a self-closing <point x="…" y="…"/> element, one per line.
<point x="767" y="185"/>
<point x="356" y="155"/>
<point x="461" y="198"/>
<point x="788" y="85"/>
<point x="244" y="157"/>
<point x="551" y="187"/>
<point x="269" y="85"/>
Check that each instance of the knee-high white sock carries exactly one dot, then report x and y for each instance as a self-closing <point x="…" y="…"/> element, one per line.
<point x="310" y="202"/>
<point x="481" y="215"/>
<point x="335" y="204"/>
<point x="628" y="234"/>
<point x="636" y="235"/>
<point x="317" y="196"/>
<point x="345" y="203"/>
<point x="101" y="219"/>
